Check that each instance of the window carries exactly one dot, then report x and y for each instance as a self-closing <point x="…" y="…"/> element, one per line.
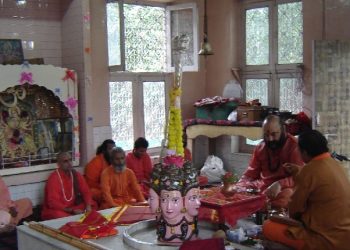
<point x="138" y="109"/>
<point x="273" y="53"/>
<point x="139" y="49"/>
<point x="141" y="41"/>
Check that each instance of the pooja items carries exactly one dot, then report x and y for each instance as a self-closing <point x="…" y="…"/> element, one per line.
<point x="229" y="180"/>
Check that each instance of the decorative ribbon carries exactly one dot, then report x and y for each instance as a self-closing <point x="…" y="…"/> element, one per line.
<point x="26" y="78"/>
<point x="71" y="103"/>
<point x="69" y="75"/>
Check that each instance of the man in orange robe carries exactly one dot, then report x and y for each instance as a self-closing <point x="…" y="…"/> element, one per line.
<point x="139" y="161"/>
<point x="321" y="201"/>
<point x="66" y="192"/>
<point x="265" y="171"/>
<point x="118" y="183"/>
<point x="94" y="168"/>
<point x="12" y="211"/>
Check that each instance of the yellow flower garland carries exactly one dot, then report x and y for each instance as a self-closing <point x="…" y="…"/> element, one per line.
<point x="175" y="123"/>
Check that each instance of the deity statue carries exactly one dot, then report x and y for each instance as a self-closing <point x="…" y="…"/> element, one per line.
<point x="174" y="197"/>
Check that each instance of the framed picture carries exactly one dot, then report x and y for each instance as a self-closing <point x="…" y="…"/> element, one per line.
<point x="11" y="51"/>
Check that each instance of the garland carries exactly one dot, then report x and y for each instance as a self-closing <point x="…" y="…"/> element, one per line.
<point x="175" y="142"/>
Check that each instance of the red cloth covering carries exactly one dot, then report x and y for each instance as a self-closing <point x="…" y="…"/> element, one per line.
<point x="219" y="209"/>
<point x="142" y="168"/>
<point x="259" y="176"/>
<point x="92" y="227"/>
<point x="131" y="214"/>
<point x="203" y="180"/>
<point x="54" y="201"/>
<point x="212" y="244"/>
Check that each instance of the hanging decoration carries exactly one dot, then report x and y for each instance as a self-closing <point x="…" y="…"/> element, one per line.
<point x="69" y="75"/>
<point x="26" y="78"/>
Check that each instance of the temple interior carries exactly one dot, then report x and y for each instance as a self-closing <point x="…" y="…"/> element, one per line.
<point x="198" y="79"/>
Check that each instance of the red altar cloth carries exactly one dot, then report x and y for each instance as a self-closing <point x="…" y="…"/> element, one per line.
<point x="130" y="214"/>
<point x="219" y="209"/>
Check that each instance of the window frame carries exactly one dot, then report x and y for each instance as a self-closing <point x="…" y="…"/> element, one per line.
<point x="271" y="71"/>
<point x="193" y="6"/>
<point x="275" y="70"/>
<point x="137" y="80"/>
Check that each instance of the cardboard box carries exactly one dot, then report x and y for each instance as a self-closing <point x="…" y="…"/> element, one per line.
<point x="249" y="113"/>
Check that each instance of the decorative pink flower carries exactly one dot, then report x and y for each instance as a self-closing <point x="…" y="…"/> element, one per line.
<point x="26" y="78"/>
<point x="69" y="75"/>
<point x="71" y="103"/>
<point x="178" y="161"/>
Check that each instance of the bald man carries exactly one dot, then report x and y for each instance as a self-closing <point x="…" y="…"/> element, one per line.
<point x="265" y="171"/>
<point x="66" y="191"/>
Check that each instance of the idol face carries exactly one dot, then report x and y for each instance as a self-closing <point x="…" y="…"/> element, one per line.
<point x="153" y="200"/>
<point x="192" y="202"/>
<point x="171" y="203"/>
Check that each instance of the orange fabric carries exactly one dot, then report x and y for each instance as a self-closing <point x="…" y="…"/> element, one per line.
<point x="142" y="167"/>
<point x="258" y="174"/>
<point x="321" y="156"/>
<point x="54" y="201"/>
<point x="119" y="188"/>
<point x="93" y="171"/>
<point x="278" y="232"/>
<point x="23" y="206"/>
<point x="322" y="201"/>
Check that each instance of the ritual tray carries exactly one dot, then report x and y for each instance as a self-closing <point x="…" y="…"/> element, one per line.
<point x="142" y="235"/>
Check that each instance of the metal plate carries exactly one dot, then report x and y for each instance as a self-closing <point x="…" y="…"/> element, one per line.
<point x="142" y="235"/>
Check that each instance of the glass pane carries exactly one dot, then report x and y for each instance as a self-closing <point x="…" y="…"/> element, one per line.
<point x="290" y="95"/>
<point x="145" y="43"/>
<point x="290" y="33"/>
<point x="121" y="113"/>
<point x="154" y="112"/>
<point x="182" y="23"/>
<point x="257" y="36"/>
<point x="257" y="89"/>
<point x="113" y="30"/>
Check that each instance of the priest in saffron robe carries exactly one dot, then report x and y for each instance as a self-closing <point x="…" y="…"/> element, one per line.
<point x="94" y="168"/>
<point x="265" y="171"/>
<point x="139" y="161"/>
<point x="321" y="201"/>
<point x="118" y="183"/>
<point x="12" y="211"/>
<point x="66" y="191"/>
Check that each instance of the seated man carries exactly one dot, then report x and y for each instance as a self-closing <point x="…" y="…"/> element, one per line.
<point x="139" y="161"/>
<point x="118" y="183"/>
<point x="12" y="211"/>
<point x="321" y="200"/>
<point x="66" y="191"/>
<point x="95" y="167"/>
<point x="265" y="171"/>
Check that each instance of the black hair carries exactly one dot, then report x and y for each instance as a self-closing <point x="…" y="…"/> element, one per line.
<point x="103" y="147"/>
<point x="313" y="143"/>
<point x="141" y="143"/>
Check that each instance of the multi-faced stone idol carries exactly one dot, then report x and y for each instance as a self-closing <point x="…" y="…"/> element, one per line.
<point x="174" y="197"/>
